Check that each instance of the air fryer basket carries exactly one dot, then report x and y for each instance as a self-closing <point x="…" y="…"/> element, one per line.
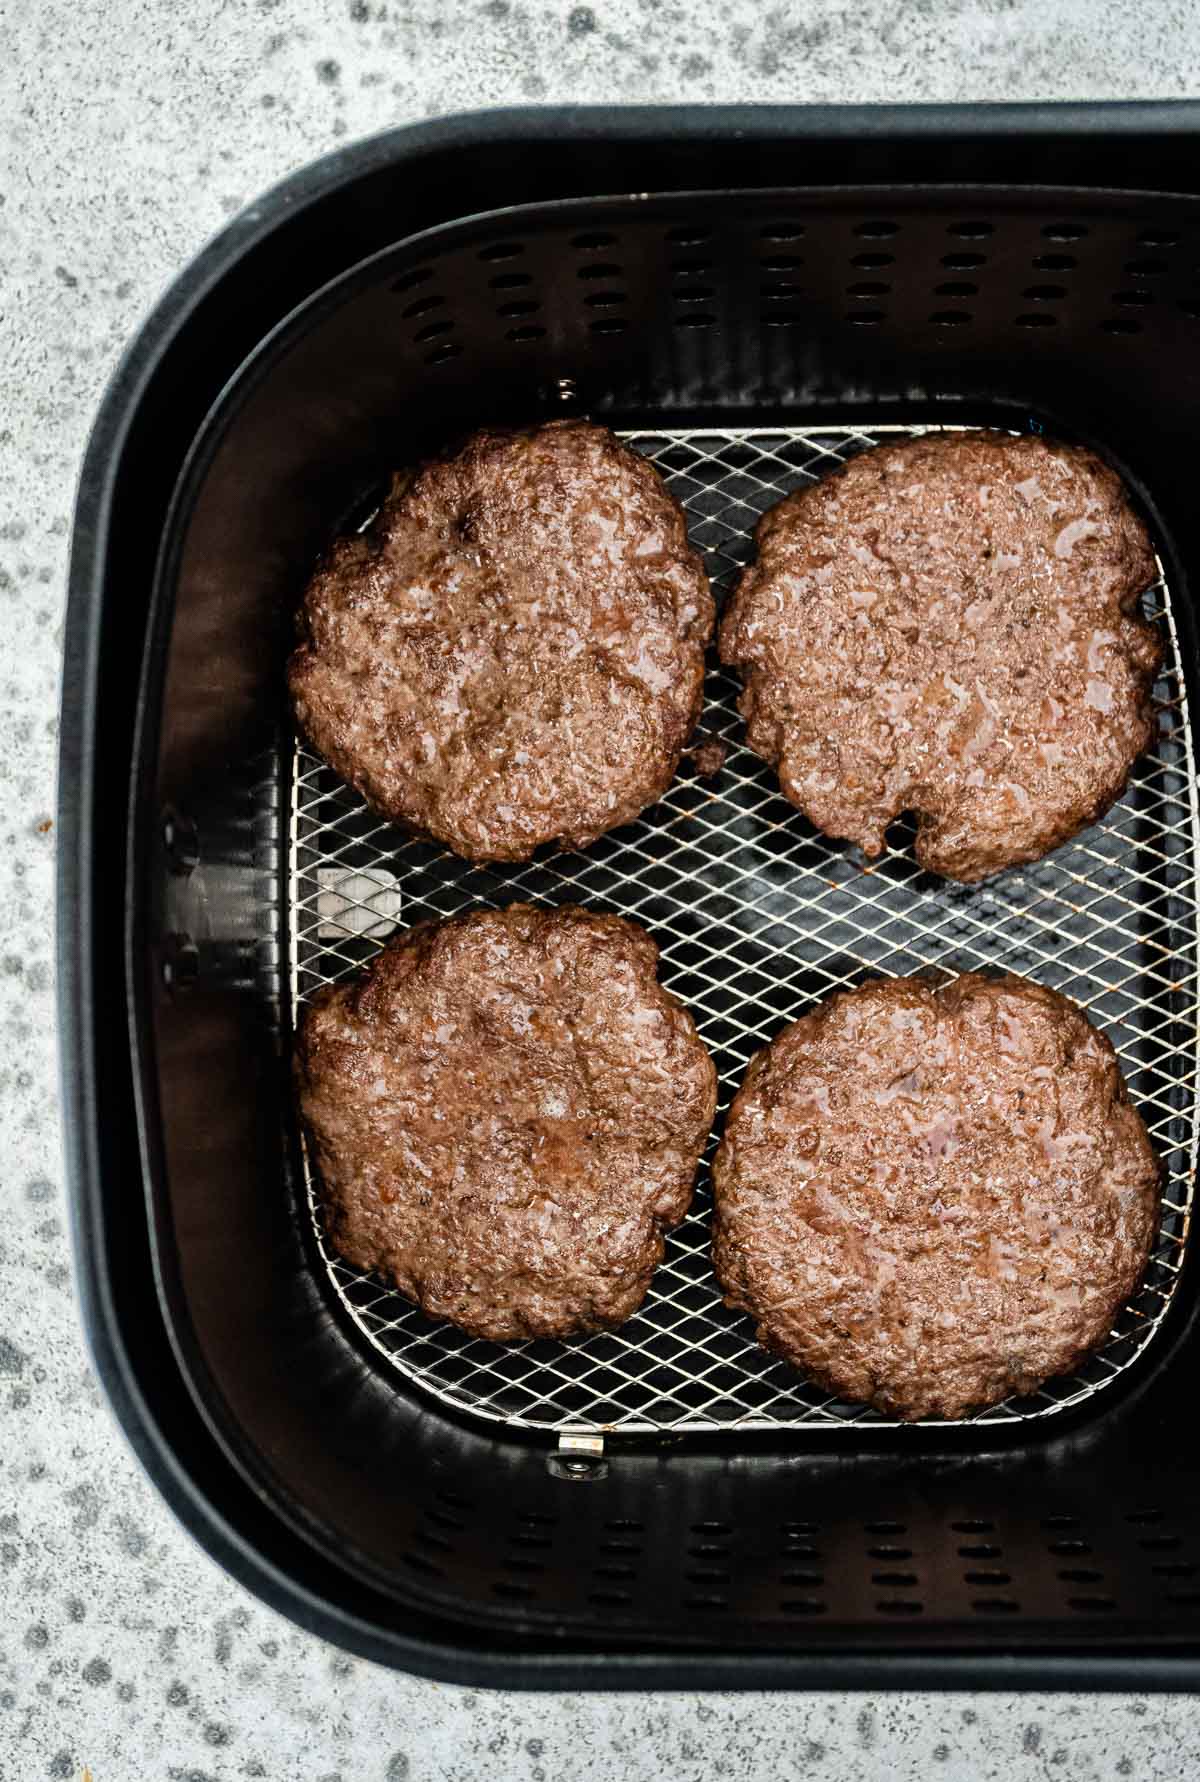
<point x="665" y="1497"/>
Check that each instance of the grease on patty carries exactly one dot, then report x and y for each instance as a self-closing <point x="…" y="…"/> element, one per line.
<point x="930" y="1199"/>
<point x="947" y="626"/>
<point x="514" y="652"/>
<point x="507" y="1113"/>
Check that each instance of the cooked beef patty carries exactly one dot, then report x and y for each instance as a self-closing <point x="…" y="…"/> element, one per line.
<point x="947" y="626"/>
<point x="932" y="1198"/>
<point x="514" y="652"/>
<point x="507" y="1112"/>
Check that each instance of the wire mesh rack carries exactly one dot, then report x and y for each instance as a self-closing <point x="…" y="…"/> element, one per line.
<point x="758" y="917"/>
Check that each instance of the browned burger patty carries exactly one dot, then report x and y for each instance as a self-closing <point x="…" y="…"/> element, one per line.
<point x="514" y="653"/>
<point x="947" y="626"/>
<point x="932" y="1198"/>
<point x="507" y="1113"/>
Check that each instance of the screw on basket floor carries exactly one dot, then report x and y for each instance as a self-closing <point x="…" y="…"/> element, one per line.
<point x="758" y="918"/>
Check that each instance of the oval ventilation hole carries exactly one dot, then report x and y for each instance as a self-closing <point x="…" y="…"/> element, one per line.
<point x="688" y="234"/>
<point x="517" y="1564"/>
<point x="1058" y="263"/>
<point x="891" y="1580"/>
<point x="865" y="318"/>
<point x="798" y="1528"/>
<point x="509" y="281"/>
<point x="409" y="281"/>
<point x="705" y="1528"/>
<point x="1120" y="326"/>
<point x="781" y="289"/>
<point x="517" y="1593"/>
<point x="443" y="1519"/>
<point x="963" y="262"/>
<point x="426" y="1567"/>
<point x="1141" y="1518"/>
<point x="543" y="1518"/>
<point x="1179" y="1570"/>
<point x="617" y="1573"/>
<point x="800" y="1550"/>
<point x="1036" y="319"/>
<point x="1159" y="238"/>
<point x="1044" y="293"/>
<point x="455" y="1499"/>
<point x="889" y="1552"/>
<point x="802" y="1605"/>
<point x="620" y="1547"/>
<point x="868" y="288"/>
<point x="979" y="1550"/>
<point x="687" y="321"/>
<point x="421" y="307"/>
<point x="599" y="269"/>
<point x="596" y="238"/>
<point x="987" y="1580"/>
<point x="1160" y="1544"/>
<point x="781" y="263"/>
<point x="705" y="1575"/>
<point x="605" y="299"/>
<point x="690" y="268"/>
<point x="625" y="1525"/>
<point x="528" y="333"/>
<point x="502" y="250"/>
<point x="873" y="262"/>
<point x="608" y="325"/>
<point x="524" y="1539"/>
<point x="899" y="1606"/>
<point x="1064" y="1549"/>
<point x="610" y="1599"/>
<point x="782" y="232"/>
<point x="432" y="330"/>
<point x="972" y="1527"/>
<point x="1060" y="1522"/>
<point x="1064" y="231"/>
<point x="1191" y="307"/>
<point x="693" y="293"/>
<point x="509" y="311"/>
<point x="950" y="318"/>
<point x="785" y="318"/>
<point x="1145" y="268"/>
<point x="706" y="1604"/>
<point x="995" y="1605"/>
<point x="1080" y="1574"/>
<point x="437" y="1542"/>
<point x="877" y="229"/>
<point x="959" y="289"/>
<point x="804" y="1580"/>
<point x="708" y="1550"/>
<point x="974" y="229"/>
<point x="1132" y="299"/>
<point x="1091" y="1605"/>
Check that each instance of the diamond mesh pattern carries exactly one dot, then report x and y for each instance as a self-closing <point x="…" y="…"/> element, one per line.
<point x="757" y="918"/>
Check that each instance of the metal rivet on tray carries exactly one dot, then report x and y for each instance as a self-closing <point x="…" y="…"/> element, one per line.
<point x="576" y="1469"/>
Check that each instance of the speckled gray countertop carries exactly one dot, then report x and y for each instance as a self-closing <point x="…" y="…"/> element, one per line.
<point x="130" y="132"/>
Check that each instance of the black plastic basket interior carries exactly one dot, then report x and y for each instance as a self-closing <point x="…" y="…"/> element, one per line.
<point x="745" y="339"/>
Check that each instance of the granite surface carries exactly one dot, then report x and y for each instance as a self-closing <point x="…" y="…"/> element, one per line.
<point x="130" y="132"/>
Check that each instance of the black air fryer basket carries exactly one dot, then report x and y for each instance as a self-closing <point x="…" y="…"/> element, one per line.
<point x="750" y="297"/>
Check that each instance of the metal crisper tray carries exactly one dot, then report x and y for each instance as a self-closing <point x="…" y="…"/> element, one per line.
<point x="758" y="918"/>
